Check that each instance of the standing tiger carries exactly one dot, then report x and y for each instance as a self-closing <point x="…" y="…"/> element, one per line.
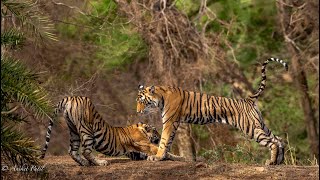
<point x="87" y="127"/>
<point x="180" y="106"/>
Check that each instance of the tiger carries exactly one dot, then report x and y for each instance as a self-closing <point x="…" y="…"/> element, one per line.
<point x="87" y="128"/>
<point x="180" y="106"/>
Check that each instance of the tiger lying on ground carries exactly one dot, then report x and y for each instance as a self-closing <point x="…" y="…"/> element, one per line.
<point x="180" y="106"/>
<point x="88" y="128"/>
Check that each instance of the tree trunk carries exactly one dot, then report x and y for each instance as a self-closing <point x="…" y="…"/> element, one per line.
<point x="185" y="143"/>
<point x="310" y="120"/>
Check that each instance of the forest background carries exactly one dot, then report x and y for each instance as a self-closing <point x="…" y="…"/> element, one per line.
<point x="103" y="49"/>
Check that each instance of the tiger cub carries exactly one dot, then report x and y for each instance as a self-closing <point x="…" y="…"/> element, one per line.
<point x="87" y="128"/>
<point x="180" y="106"/>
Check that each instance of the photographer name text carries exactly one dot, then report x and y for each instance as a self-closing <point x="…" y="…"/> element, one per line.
<point x="23" y="168"/>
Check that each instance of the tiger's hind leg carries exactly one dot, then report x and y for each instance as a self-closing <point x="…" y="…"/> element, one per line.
<point x="74" y="142"/>
<point x="277" y="155"/>
<point x="280" y="156"/>
<point x="274" y="143"/>
<point x="74" y="149"/>
<point x="87" y="148"/>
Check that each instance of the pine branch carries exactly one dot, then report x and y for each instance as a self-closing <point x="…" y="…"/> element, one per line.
<point x="28" y="15"/>
<point x="12" y="38"/>
<point x="20" y="85"/>
<point x="17" y="148"/>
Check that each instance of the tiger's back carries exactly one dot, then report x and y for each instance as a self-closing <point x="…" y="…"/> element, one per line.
<point x="204" y="109"/>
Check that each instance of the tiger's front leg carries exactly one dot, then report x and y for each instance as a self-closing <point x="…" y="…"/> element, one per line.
<point x="167" y="136"/>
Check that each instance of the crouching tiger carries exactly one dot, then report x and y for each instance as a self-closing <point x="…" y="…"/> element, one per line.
<point x="180" y="106"/>
<point x="87" y="127"/>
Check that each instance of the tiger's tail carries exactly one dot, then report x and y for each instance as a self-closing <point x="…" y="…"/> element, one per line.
<point x="43" y="152"/>
<point x="264" y="77"/>
<point x="58" y="109"/>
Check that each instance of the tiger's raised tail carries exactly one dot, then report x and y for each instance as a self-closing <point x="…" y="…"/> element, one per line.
<point x="264" y="76"/>
<point x="59" y="108"/>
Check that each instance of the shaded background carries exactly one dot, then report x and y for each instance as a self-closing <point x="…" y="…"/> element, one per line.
<point x="106" y="48"/>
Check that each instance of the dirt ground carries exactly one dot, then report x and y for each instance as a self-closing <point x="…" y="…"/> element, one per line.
<point x="63" y="167"/>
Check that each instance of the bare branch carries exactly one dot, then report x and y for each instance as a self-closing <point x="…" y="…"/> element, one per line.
<point x="90" y="81"/>
<point x="287" y="39"/>
<point x="71" y="7"/>
<point x="283" y="3"/>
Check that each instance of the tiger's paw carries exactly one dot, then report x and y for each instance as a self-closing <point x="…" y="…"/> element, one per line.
<point x="154" y="158"/>
<point x="269" y="162"/>
<point x="102" y="163"/>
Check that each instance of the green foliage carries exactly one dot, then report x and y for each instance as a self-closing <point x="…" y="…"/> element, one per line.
<point x="201" y="132"/>
<point x="16" y="147"/>
<point x="227" y="153"/>
<point x="249" y="25"/>
<point x="12" y="38"/>
<point x="190" y="7"/>
<point x="220" y="90"/>
<point x="253" y="28"/>
<point x="19" y="86"/>
<point x="118" y="44"/>
<point x="66" y="30"/>
<point x="120" y="51"/>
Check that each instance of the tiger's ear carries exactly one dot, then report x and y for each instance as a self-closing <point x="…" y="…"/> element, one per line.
<point x="140" y="87"/>
<point x="152" y="89"/>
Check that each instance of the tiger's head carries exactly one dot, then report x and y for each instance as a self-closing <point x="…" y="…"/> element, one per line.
<point x="148" y="98"/>
<point x="151" y="133"/>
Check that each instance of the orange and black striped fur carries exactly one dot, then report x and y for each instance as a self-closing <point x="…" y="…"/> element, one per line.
<point x="180" y="106"/>
<point x="88" y="129"/>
